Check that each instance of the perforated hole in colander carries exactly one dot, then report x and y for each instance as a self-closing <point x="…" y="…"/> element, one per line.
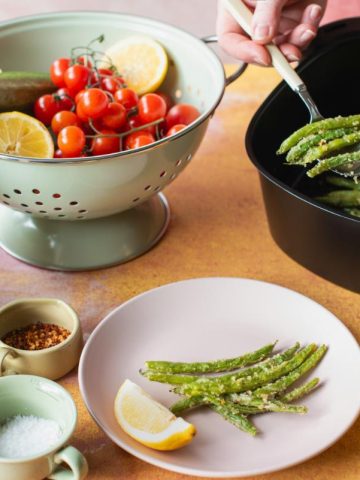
<point x="6" y="195"/>
<point x="163" y="173"/>
<point x="57" y="208"/>
<point x="73" y="203"/>
<point x="178" y="163"/>
<point x="56" y="195"/>
<point x="136" y="199"/>
<point x="18" y="192"/>
<point x="156" y="189"/>
<point x="24" y="205"/>
<point x="42" y="211"/>
<point x="5" y="202"/>
<point x="147" y="187"/>
<point x="173" y="176"/>
<point x="36" y="191"/>
<point x="39" y="203"/>
<point x="61" y="215"/>
<point x="188" y="158"/>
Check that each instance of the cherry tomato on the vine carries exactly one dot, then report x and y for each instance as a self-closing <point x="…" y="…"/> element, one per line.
<point x="71" y="141"/>
<point x="76" y="77"/>
<point x="94" y="102"/>
<point x="111" y="84"/>
<point x="64" y="119"/>
<point x="81" y="115"/>
<point x="151" y="107"/>
<point x="138" y="139"/>
<point x="104" y="145"/>
<point x="183" y="113"/>
<point x="175" y="129"/>
<point x="45" y="108"/>
<point x="127" y="97"/>
<point x="64" y="98"/>
<point x="167" y="99"/>
<point x="115" y="116"/>
<point x="57" y="70"/>
<point x="58" y="153"/>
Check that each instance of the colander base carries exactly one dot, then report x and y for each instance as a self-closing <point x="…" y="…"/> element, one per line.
<point x="84" y="244"/>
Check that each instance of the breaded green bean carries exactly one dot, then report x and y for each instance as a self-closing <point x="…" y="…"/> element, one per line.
<point x="341" y="182"/>
<point x="171" y="378"/>
<point x="238" y="420"/>
<point x="341" y="198"/>
<point x="352" y="121"/>
<point x="187" y="403"/>
<point x="256" y="406"/>
<point x="286" y="381"/>
<point x="300" y="391"/>
<point x="331" y="163"/>
<point x="215" y="366"/>
<point x="296" y="153"/>
<point x="334" y="146"/>
<point x="233" y="383"/>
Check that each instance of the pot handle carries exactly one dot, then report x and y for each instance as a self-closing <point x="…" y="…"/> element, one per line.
<point x="241" y="69"/>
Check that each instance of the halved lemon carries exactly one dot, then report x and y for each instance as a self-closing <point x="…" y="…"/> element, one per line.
<point x="24" y="136"/>
<point x="141" y="61"/>
<point x="149" y="422"/>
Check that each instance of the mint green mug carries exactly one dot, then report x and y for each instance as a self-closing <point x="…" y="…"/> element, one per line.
<point x="32" y="395"/>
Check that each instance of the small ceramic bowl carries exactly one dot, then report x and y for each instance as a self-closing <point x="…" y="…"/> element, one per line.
<point x="53" y="362"/>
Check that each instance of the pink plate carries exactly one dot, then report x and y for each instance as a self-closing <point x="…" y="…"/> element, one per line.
<point x="213" y="318"/>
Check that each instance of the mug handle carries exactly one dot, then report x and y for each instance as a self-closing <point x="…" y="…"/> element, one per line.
<point x="240" y="70"/>
<point x="75" y="460"/>
<point x="4" y="352"/>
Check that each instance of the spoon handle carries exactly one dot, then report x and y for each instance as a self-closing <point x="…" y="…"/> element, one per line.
<point x="243" y="16"/>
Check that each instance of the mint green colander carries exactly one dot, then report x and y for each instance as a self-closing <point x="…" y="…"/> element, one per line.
<point x="93" y="212"/>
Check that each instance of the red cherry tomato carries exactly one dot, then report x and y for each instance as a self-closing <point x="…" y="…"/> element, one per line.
<point x="111" y="84"/>
<point x="151" y="107"/>
<point x="81" y="115"/>
<point x="182" y="113"/>
<point x="104" y="145"/>
<point x="94" y="102"/>
<point x="127" y="97"/>
<point x="115" y="116"/>
<point x="134" y="121"/>
<point x="63" y="119"/>
<point x="85" y="60"/>
<point x="58" y="153"/>
<point x="71" y="141"/>
<point x="167" y="99"/>
<point x="76" y="77"/>
<point x="79" y="95"/>
<point x="45" y="108"/>
<point x="57" y="70"/>
<point x="138" y="139"/>
<point x="65" y="99"/>
<point x="175" y="129"/>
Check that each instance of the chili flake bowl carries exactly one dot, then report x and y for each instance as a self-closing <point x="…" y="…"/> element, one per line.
<point x="52" y="362"/>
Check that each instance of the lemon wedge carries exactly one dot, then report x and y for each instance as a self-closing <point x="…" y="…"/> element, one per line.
<point x="24" y="136"/>
<point x="149" y="422"/>
<point x="141" y="61"/>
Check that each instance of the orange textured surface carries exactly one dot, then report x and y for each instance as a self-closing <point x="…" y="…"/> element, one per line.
<point x="218" y="228"/>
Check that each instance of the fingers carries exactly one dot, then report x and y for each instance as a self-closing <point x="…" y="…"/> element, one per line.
<point x="266" y="19"/>
<point x="306" y="31"/>
<point x="241" y="47"/>
<point x="236" y="43"/>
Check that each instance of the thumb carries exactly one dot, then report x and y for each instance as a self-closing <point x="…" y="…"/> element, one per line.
<point x="266" y="20"/>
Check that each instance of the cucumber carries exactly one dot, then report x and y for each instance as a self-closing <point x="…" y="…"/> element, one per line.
<point x="19" y="90"/>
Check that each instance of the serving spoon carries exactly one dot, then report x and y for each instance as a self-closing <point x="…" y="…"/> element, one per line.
<point x="243" y="16"/>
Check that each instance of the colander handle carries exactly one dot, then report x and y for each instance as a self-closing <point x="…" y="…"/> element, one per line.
<point x="240" y="70"/>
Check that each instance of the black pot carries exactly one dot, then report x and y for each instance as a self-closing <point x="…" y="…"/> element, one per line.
<point x="322" y="239"/>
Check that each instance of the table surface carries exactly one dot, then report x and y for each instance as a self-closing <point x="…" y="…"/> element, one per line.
<point x="218" y="228"/>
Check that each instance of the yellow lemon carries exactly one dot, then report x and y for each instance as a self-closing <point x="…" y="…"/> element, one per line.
<point x="141" y="61"/>
<point x="24" y="136"/>
<point x="149" y="422"/>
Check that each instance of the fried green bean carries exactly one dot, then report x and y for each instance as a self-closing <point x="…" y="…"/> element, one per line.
<point x="334" y="146"/>
<point x="178" y="379"/>
<point x="334" y="162"/>
<point x="214" y="366"/>
<point x="355" y="212"/>
<point x="341" y="182"/>
<point x="341" y="198"/>
<point x="187" y="403"/>
<point x="352" y="121"/>
<point x="286" y="381"/>
<point x="255" y="406"/>
<point x="238" y="420"/>
<point x="171" y="378"/>
<point x="233" y="383"/>
<point x="298" y="151"/>
<point x="300" y="391"/>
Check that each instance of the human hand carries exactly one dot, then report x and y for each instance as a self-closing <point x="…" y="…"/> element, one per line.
<point x="291" y="24"/>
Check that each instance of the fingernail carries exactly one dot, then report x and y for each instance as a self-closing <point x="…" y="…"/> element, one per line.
<point x="293" y="58"/>
<point x="260" y="61"/>
<point x="307" y="36"/>
<point x="261" y="32"/>
<point x="315" y="12"/>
